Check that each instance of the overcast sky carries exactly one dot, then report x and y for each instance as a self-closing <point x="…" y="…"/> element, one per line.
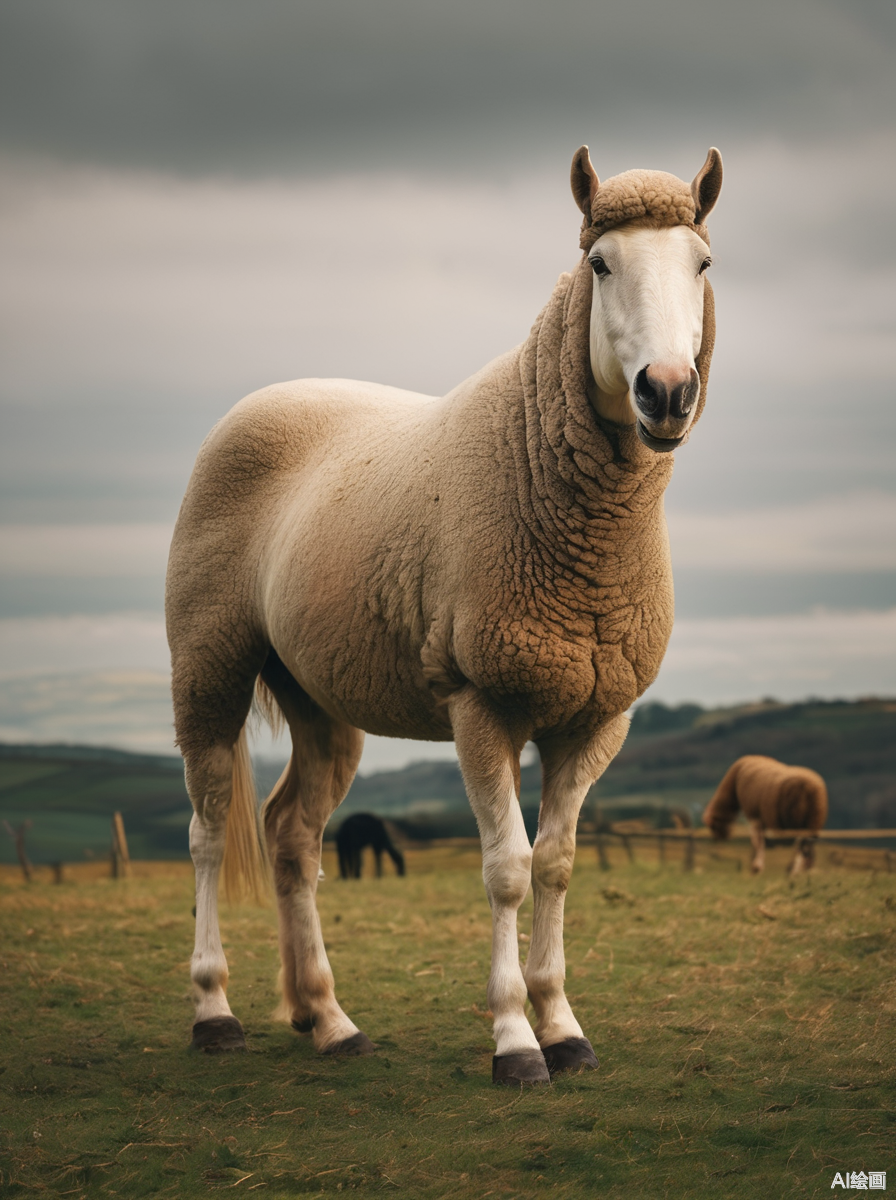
<point x="286" y="88"/>
<point x="200" y="198"/>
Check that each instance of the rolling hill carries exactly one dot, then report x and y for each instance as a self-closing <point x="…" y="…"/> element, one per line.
<point x="672" y="761"/>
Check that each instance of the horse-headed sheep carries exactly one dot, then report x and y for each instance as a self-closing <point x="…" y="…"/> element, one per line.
<point x="491" y="566"/>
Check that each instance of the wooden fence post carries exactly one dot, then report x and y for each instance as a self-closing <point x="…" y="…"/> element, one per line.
<point x="121" y="860"/>
<point x="629" y="849"/>
<point x="661" y="839"/>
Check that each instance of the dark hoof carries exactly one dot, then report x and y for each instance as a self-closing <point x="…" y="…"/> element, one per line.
<point x="303" y="1026"/>
<point x="528" y="1066"/>
<point x="354" y="1047"/>
<point x="218" y="1035"/>
<point x="572" y="1054"/>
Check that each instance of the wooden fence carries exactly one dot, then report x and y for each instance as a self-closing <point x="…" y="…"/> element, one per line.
<point x="692" y="840"/>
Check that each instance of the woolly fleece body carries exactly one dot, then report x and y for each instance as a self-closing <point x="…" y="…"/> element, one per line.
<point x="392" y="547"/>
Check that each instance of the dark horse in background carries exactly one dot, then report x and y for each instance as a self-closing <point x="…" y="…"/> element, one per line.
<point x="356" y="832"/>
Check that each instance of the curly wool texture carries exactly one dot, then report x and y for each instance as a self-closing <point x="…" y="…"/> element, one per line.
<point x="649" y="196"/>
<point x="503" y="537"/>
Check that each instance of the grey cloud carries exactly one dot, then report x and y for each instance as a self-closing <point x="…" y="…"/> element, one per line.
<point x="219" y="85"/>
<point x="139" y="308"/>
<point x="430" y="223"/>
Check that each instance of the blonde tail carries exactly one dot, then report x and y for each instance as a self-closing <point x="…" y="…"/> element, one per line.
<point x="265" y="706"/>
<point x="244" y="871"/>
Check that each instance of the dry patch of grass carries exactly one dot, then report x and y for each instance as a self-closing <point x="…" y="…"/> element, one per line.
<point x="745" y="1030"/>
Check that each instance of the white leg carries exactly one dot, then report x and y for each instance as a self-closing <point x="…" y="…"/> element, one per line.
<point x="506" y="866"/>
<point x="567" y="778"/>
<point x="487" y="757"/>
<point x="209" y="783"/>
<point x="546" y="964"/>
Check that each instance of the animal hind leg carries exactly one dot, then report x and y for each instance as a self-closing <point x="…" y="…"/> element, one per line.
<point x="489" y="760"/>
<point x="567" y="778"/>
<point x="802" y="858"/>
<point x="210" y="708"/>
<point x="209" y="783"/>
<point x="324" y="759"/>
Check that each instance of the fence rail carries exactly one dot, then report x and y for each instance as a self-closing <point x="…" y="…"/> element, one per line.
<point x="692" y="839"/>
<point x="740" y="833"/>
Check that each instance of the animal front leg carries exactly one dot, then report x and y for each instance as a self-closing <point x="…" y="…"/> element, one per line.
<point x="567" y="778"/>
<point x="486" y="755"/>
<point x="559" y="1034"/>
<point x="757" y="838"/>
<point x="209" y="783"/>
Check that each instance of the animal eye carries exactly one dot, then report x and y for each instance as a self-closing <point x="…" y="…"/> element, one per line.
<point x="707" y="262"/>
<point x="598" y="266"/>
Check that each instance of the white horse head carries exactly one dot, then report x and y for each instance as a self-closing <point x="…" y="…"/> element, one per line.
<point x="647" y="312"/>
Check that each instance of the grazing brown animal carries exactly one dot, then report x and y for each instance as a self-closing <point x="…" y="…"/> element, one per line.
<point x="488" y="567"/>
<point x="356" y="833"/>
<point x="771" y="795"/>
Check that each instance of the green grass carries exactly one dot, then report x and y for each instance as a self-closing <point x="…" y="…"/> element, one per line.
<point x="745" y="1030"/>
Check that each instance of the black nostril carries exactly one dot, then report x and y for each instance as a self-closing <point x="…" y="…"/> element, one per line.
<point x="680" y="402"/>
<point x="684" y="396"/>
<point x="648" y="400"/>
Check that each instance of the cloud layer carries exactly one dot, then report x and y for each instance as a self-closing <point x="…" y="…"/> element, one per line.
<point x="137" y="308"/>
<point x="215" y="85"/>
<point x="199" y="198"/>
<point x="78" y="689"/>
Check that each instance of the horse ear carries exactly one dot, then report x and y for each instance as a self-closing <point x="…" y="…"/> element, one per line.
<point x="707" y="185"/>
<point x="584" y="180"/>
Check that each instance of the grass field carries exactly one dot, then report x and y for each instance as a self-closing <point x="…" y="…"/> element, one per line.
<point x="745" y="1030"/>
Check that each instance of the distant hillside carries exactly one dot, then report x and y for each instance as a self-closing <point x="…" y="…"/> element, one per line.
<point x="672" y="760"/>
<point x="70" y="792"/>
<point x="852" y="745"/>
